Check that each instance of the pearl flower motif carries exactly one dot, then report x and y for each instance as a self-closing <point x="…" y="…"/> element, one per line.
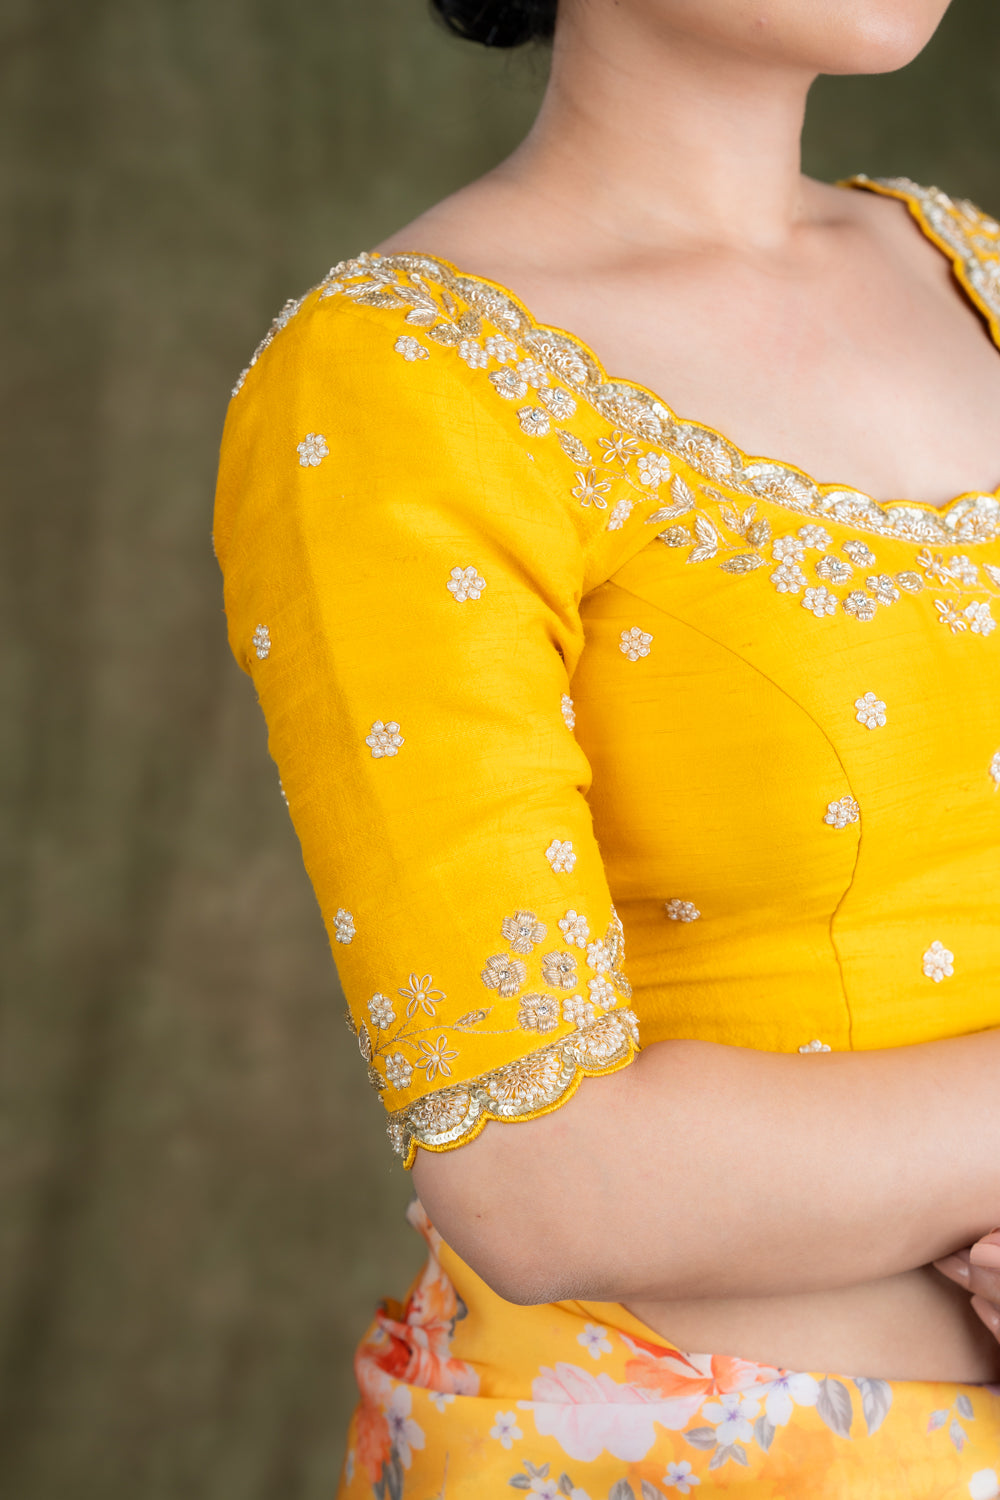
<point x="815" y="536"/>
<point x="602" y="993"/>
<point x="981" y="622"/>
<point x="501" y="349"/>
<point x="560" y="856"/>
<point x="788" y="549"/>
<point x="788" y="578"/>
<point x="870" y="711"/>
<point x="566" y="705"/>
<point x="576" y="930"/>
<point x="820" y="602"/>
<point x="964" y="571"/>
<point x="619" y="515"/>
<point x="465" y="583"/>
<point x="654" y="468"/>
<point x="994" y="773"/>
<point x="842" y="813"/>
<point x="312" y="450"/>
<point x="475" y="356"/>
<point x="343" y="925"/>
<point x="384" y="739"/>
<point x="535" y="374"/>
<point x="635" y="643"/>
<point x="398" y="1070"/>
<point x="681" y="911"/>
<point x="262" y="642"/>
<point x="598" y="957"/>
<point x="814" y="1046"/>
<point x="577" y="1011"/>
<point x="939" y="962"/>
<point x="410" y="348"/>
<point x="381" y="1011"/>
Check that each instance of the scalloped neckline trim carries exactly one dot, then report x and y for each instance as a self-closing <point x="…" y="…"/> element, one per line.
<point x="973" y="516"/>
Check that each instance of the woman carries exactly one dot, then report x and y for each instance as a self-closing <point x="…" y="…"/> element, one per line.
<point x="556" y="672"/>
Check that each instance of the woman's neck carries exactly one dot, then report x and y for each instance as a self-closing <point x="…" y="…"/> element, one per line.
<point x="664" y="139"/>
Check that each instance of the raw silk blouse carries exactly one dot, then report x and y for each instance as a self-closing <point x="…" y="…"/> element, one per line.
<point x="595" y="730"/>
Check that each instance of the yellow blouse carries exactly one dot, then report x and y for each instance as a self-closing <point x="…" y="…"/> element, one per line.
<point x="550" y="672"/>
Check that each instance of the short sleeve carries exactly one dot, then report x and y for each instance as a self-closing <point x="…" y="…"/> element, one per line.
<point x="402" y="583"/>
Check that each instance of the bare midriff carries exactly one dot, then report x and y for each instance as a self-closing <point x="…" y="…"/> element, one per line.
<point x="914" y="1326"/>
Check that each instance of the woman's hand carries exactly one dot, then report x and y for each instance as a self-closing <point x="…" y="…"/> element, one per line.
<point x="978" y="1271"/>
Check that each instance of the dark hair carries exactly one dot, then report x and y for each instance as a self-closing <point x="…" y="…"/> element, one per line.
<point x="499" y="23"/>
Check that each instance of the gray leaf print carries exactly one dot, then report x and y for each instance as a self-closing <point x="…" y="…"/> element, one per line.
<point x="937" y="1419"/>
<point x="734" y="1451"/>
<point x="520" y="1482"/>
<point x="650" y="1492"/>
<point x="958" y="1435"/>
<point x="834" y="1406"/>
<point x="701" y="1437"/>
<point x="964" y="1406"/>
<point x="565" y="1484"/>
<point x="622" y="1491"/>
<point x="764" y="1431"/>
<point x="876" y="1399"/>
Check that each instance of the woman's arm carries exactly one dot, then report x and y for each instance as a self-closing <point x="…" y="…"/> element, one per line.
<point x="705" y="1170"/>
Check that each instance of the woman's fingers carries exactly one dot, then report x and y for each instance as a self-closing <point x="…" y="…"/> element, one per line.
<point x="978" y="1270"/>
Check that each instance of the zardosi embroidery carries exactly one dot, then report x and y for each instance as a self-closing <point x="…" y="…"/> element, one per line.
<point x="405" y="1038"/>
<point x="451" y="307"/>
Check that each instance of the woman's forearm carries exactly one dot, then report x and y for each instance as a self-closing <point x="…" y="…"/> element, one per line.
<point x="708" y="1171"/>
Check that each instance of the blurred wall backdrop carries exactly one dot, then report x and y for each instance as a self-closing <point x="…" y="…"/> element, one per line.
<point x="200" y="1209"/>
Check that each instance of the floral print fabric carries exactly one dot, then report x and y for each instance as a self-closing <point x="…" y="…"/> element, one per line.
<point x="464" y="1396"/>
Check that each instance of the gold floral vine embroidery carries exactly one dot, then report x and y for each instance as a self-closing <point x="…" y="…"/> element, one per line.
<point x="401" y="1039"/>
<point x="450" y="308"/>
<point x="849" y="578"/>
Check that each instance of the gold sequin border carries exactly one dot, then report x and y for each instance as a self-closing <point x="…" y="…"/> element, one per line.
<point x="520" y="1090"/>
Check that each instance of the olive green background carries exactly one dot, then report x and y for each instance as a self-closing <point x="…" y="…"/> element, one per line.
<point x="200" y="1209"/>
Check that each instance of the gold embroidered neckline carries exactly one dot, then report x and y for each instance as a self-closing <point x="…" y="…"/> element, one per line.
<point x="957" y="229"/>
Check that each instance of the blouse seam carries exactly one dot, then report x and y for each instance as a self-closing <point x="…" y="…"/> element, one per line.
<point x="668" y="614"/>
